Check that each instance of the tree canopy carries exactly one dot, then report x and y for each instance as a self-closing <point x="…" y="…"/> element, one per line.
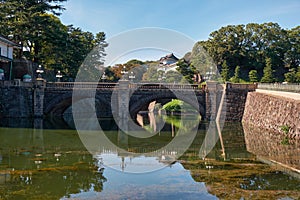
<point x="35" y="26"/>
<point x="252" y="52"/>
<point x="249" y="46"/>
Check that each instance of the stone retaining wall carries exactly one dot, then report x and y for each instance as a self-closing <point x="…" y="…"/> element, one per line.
<point x="268" y="144"/>
<point x="234" y="102"/>
<point x="16" y="101"/>
<point x="272" y="112"/>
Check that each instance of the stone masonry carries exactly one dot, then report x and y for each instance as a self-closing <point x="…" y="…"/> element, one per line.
<point x="272" y="112"/>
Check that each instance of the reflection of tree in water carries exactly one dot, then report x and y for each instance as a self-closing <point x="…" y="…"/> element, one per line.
<point x="54" y="182"/>
<point x="153" y="122"/>
<point x="186" y="125"/>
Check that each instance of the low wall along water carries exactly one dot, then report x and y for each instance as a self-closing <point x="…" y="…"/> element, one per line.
<point x="274" y="113"/>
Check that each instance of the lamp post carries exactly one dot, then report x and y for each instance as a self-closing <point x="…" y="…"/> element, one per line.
<point x="159" y="78"/>
<point x="131" y="76"/>
<point x="39" y="72"/>
<point x="103" y="77"/>
<point x="58" y="76"/>
<point x="164" y="76"/>
<point x="209" y="74"/>
<point x="124" y="72"/>
<point x="1" y="74"/>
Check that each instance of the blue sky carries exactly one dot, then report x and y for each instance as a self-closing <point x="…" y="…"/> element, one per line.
<point x="194" y="18"/>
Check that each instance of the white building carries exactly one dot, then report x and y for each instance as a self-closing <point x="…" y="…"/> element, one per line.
<point x="6" y="49"/>
<point x="168" y="63"/>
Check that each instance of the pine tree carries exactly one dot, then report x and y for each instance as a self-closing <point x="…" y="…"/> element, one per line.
<point x="225" y="71"/>
<point x="268" y="72"/>
<point x="237" y="75"/>
<point x="253" y="76"/>
<point x="290" y="76"/>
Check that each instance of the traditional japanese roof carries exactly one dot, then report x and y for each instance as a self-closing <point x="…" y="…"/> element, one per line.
<point x="169" y="57"/>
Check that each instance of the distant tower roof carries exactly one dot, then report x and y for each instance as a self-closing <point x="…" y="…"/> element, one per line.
<point x="168" y="59"/>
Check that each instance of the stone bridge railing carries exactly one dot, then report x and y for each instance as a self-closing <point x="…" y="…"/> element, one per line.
<point x="87" y="85"/>
<point x="241" y="86"/>
<point x="280" y="87"/>
<point x="140" y="86"/>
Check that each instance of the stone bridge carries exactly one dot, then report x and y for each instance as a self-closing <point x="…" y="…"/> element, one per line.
<point x="54" y="99"/>
<point x="112" y="97"/>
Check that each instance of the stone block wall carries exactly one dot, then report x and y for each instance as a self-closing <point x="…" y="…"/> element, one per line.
<point x="213" y="97"/>
<point x="16" y="101"/>
<point x="267" y="145"/>
<point x="234" y="102"/>
<point x="272" y="112"/>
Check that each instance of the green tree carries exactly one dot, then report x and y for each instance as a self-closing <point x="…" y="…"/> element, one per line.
<point x="53" y="44"/>
<point x="173" y="77"/>
<point x="236" y="78"/>
<point x="137" y="67"/>
<point x="200" y="61"/>
<point x="186" y="70"/>
<point x="225" y="72"/>
<point x="291" y="76"/>
<point x="152" y="74"/>
<point x="292" y="55"/>
<point x="25" y="21"/>
<point x="35" y="26"/>
<point x="93" y="53"/>
<point x="268" y="72"/>
<point x="250" y="45"/>
<point x="253" y="77"/>
<point x="298" y="75"/>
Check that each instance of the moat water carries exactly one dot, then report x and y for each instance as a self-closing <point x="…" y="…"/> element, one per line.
<point x="47" y="159"/>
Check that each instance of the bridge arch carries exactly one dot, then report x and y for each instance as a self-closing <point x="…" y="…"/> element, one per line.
<point x="60" y="103"/>
<point x="139" y="102"/>
<point x="1" y="109"/>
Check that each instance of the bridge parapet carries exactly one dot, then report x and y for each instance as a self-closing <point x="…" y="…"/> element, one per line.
<point x="241" y="86"/>
<point x="158" y="86"/>
<point x="140" y="86"/>
<point x="62" y="86"/>
<point x="295" y="87"/>
<point x="81" y="85"/>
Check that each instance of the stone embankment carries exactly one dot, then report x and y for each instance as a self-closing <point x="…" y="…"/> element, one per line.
<point x="274" y="111"/>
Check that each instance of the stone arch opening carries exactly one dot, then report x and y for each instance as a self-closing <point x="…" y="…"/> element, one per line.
<point x="58" y="104"/>
<point x="136" y="105"/>
<point x="62" y="105"/>
<point x="1" y="110"/>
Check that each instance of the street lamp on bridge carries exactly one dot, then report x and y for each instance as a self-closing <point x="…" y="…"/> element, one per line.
<point x="103" y="77"/>
<point x="124" y="72"/>
<point x="131" y="76"/>
<point x="39" y="72"/>
<point x="58" y="76"/>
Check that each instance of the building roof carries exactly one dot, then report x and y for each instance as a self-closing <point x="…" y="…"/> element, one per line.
<point x="4" y="59"/>
<point x="169" y="57"/>
<point x="7" y="41"/>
